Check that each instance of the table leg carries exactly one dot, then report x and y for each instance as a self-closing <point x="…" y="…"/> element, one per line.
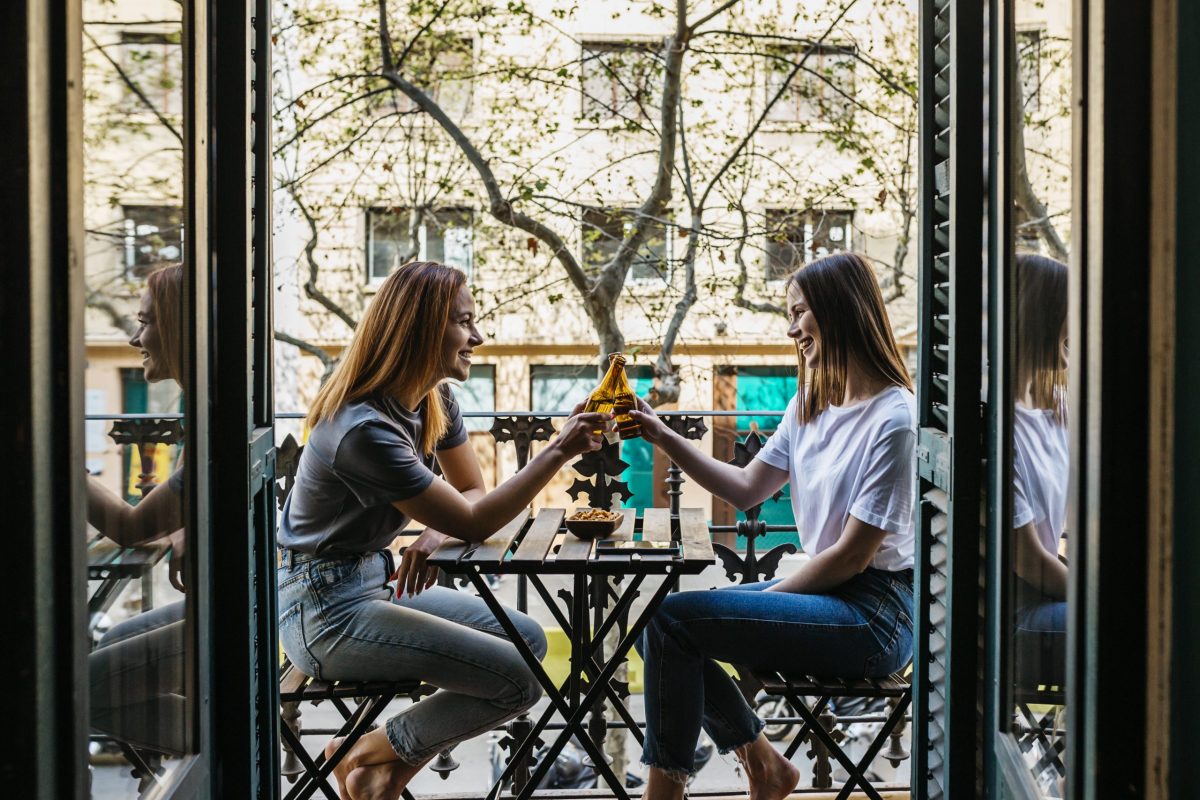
<point x="590" y="664"/>
<point x="574" y="722"/>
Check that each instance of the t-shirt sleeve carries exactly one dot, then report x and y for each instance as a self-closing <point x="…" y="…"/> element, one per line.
<point x="778" y="450"/>
<point x="885" y="495"/>
<point x="379" y="466"/>
<point x="456" y="432"/>
<point x="1023" y="513"/>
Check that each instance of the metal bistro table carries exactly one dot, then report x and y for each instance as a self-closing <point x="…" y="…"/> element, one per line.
<point x="114" y="567"/>
<point x="526" y="546"/>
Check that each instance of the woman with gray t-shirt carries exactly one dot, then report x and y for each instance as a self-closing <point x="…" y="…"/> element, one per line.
<point x="367" y="469"/>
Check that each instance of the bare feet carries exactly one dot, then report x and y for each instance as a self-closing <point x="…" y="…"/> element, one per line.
<point x="771" y="776"/>
<point x="339" y="772"/>
<point x="662" y="786"/>
<point x="370" y="771"/>
<point x="380" y="781"/>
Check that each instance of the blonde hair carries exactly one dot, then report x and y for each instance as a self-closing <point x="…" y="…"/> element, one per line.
<point x="398" y="346"/>
<point x="165" y="287"/>
<point x="842" y="294"/>
<point x="1041" y="284"/>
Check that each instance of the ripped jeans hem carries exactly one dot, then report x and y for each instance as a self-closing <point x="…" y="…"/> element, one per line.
<point x="675" y="775"/>
<point x="758" y="731"/>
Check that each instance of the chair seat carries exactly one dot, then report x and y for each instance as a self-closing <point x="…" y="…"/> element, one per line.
<point x="295" y="686"/>
<point x="780" y="681"/>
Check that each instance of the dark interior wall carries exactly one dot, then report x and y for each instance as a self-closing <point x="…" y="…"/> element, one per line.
<point x="1185" y="716"/>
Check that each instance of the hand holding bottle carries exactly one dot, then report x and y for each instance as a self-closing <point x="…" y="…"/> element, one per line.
<point x="654" y="430"/>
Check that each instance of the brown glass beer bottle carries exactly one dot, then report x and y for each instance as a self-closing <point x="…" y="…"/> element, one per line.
<point x="614" y="395"/>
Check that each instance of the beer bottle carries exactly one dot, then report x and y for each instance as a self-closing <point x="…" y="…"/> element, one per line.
<point x="614" y="395"/>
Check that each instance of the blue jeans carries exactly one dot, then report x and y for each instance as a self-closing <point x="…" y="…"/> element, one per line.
<point x="340" y="619"/>
<point x="136" y="677"/>
<point x="861" y="629"/>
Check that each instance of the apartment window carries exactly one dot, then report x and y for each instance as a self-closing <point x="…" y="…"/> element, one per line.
<point x="443" y="235"/>
<point x="478" y="394"/>
<point x="444" y="72"/>
<point x="796" y="237"/>
<point x="620" y="81"/>
<point x="153" y="62"/>
<point x="557" y="387"/>
<point x="1029" y="68"/>
<point x="821" y="91"/>
<point x="153" y="237"/>
<point x="603" y="230"/>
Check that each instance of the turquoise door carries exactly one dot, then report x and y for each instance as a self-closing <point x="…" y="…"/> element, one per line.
<point x="767" y="388"/>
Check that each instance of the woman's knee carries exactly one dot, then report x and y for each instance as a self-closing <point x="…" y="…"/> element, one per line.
<point x="534" y="635"/>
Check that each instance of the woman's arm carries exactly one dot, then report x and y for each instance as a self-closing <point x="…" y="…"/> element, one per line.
<point x="1035" y="565"/>
<point x="158" y="514"/>
<point x="460" y="467"/>
<point x="443" y="507"/>
<point x="834" y="566"/>
<point x="741" y="487"/>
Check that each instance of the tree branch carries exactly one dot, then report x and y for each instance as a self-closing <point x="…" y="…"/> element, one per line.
<point x="310" y="286"/>
<point x="133" y="87"/>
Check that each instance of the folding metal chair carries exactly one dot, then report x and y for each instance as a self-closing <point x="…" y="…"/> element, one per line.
<point x="359" y="702"/>
<point x="817" y="721"/>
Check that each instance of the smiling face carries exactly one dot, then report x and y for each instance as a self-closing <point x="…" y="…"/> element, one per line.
<point x="803" y="327"/>
<point x="461" y="337"/>
<point x="148" y="339"/>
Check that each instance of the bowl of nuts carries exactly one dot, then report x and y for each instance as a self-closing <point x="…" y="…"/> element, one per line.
<point x="592" y="523"/>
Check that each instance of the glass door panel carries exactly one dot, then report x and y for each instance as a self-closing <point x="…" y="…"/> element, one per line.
<point x="140" y="626"/>
<point x="1034" y="539"/>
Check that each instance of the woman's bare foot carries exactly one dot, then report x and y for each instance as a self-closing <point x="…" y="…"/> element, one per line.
<point x="371" y="770"/>
<point x="339" y="772"/>
<point x="771" y="776"/>
<point x="380" y="781"/>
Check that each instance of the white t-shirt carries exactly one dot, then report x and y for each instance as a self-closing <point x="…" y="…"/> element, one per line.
<point x="858" y="460"/>
<point x="1041" y="470"/>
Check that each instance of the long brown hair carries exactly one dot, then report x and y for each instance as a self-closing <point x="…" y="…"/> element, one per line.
<point x="165" y="286"/>
<point x="843" y="295"/>
<point x="1041" y="315"/>
<point x="398" y="346"/>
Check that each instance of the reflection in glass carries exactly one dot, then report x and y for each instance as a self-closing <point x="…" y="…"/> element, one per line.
<point x="135" y="333"/>
<point x="1036" y="616"/>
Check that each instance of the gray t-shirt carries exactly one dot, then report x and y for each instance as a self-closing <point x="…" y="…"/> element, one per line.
<point x="354" y="466"/>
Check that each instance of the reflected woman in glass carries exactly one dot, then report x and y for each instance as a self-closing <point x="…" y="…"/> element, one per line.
<point x="136" y="671"/>
<point x="846" y="446"/>
<point x="1041" y="467"/>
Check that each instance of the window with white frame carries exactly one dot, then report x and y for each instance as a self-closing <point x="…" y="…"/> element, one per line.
<point x="152" y="237"/>
<point x="152" y="62"/>
<point x="821" y="91"/>
<point x="443" y="70"/>
<point x="444" y="235"/>
<point x="795" y="238"/>
<point x="621" y="81"/>
<point x="603" y="230"/>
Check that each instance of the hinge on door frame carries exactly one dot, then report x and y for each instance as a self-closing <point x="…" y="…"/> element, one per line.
<point x="262" y="456"/>
<point x="935" y="458"/>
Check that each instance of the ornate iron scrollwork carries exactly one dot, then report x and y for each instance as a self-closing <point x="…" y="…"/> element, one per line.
<point x="751" y="566"/>
<point x="603" y="466"/>
<point x="522" y="432"/>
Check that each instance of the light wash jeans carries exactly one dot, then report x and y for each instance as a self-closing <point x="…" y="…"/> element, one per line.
<point x="136" y="681"/>
<point x="861" y="629"/>
<point x="340" y="619"/>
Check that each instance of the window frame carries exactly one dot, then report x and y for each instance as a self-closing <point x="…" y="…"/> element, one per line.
<point x="808" y="253"/>
<point x="816" y="119"/>
<point x="666" y="224"/>
<point x="590" y="47"/>
<point x="373" y="281"/>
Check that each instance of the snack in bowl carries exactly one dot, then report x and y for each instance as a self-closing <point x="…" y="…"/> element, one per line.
<point x="594" y="522"/>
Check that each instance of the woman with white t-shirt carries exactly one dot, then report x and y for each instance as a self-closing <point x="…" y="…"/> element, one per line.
<point x="847" y="447"/>
<point x="1041" y="468"/>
